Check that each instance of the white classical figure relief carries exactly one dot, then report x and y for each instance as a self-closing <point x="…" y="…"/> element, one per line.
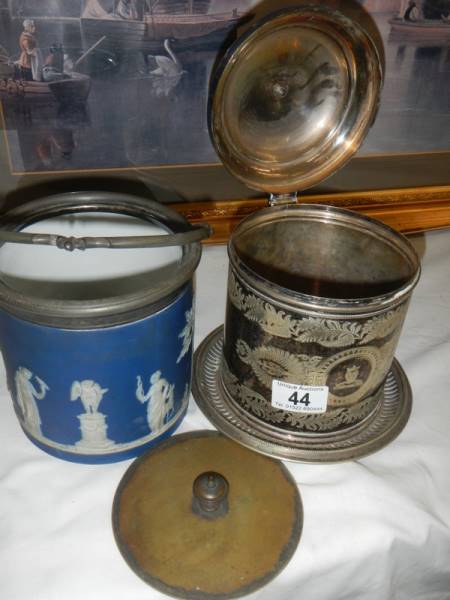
<point x="160" y="399"/>
<point x="92" y="422"/>
<point x="27" y="395"/>
<point x="90" y="394"/>
<point x="187" y="333"/>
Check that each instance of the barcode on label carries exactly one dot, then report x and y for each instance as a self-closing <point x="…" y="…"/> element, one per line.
<point x="299" y="398"/>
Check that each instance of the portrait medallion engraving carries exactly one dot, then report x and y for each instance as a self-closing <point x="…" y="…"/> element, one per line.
<point x="350" y="356"/>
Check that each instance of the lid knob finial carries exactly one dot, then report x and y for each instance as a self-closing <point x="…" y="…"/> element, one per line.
<point x="210" y="495"/>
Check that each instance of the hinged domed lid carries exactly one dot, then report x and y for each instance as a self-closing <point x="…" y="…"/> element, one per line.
<point x="201" y="517"/>
<point x="292" y="99"/>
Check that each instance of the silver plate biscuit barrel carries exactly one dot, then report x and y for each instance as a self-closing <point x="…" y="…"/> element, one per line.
<point x="317" y="295"/>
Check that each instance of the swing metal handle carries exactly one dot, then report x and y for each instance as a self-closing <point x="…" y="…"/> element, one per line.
<point x="69" y="243"/>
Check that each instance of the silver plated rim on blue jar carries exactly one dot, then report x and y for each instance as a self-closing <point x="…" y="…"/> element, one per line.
<point x="97" y="346"/>
<point x="102" y="312"/>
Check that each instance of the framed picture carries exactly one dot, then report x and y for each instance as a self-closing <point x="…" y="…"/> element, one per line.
<point x="119" y="88"/>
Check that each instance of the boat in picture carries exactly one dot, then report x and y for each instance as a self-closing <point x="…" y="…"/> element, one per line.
<point x="180" y="6"/>
<point x="73" y="89"/>
<point x="65" y="87"/>
<point x="188" y="23"/>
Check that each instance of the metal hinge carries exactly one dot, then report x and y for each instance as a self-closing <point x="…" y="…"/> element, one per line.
<point x="280" y="199"/>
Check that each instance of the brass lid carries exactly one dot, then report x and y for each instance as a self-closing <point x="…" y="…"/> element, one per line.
<point x="293" y="99"/>
<point x="199" y="516"/>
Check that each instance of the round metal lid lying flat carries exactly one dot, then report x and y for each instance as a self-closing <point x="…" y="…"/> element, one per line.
<point x="202" y="517"/>
<point x="293" y="99"/>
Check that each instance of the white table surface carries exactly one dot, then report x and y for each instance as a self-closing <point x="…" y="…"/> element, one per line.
<point x="375" y="529"/>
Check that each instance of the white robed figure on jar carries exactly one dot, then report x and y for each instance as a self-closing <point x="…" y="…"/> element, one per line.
<point x="27" y="395"/>
<point x="160" y="399"/>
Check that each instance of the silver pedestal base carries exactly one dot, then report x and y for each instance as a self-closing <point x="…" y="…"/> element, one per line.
<point x="373" y="434"/>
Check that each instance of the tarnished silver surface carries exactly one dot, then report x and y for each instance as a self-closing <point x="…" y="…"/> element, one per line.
<point x="210" y="495"/>
<point x="71" y="243"/>
<point x="83" y="314"/>
<point x="378" y="430"/>
<point x="323" y="259"/>
<point x="317" y="296"/>
<point x="293" y="98"/>
<point x="199" y="555"/>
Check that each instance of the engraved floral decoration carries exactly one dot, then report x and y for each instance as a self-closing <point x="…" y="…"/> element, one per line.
<point x="350" y="365"/>
<point x="328" y="333"/>
<point x="271" y="320"/>
<point x="270" y="363"/>
<point x="260" y="407"/>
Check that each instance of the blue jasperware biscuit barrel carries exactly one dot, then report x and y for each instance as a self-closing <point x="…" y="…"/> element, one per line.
<point x="97" y="343"/>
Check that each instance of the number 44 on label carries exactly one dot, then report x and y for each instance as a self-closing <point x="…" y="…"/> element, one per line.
<point x="299" y="398"/>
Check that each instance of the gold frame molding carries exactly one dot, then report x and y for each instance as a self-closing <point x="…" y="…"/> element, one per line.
<point x="407" y="209"/>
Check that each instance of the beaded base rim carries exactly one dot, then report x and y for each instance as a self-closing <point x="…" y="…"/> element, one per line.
<point x="385" y="425"/>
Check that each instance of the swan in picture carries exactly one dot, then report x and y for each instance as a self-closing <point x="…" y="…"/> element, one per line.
<point x="167" y="66"/>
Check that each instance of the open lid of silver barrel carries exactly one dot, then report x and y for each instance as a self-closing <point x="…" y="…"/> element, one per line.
<point x="293" y="99"/>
